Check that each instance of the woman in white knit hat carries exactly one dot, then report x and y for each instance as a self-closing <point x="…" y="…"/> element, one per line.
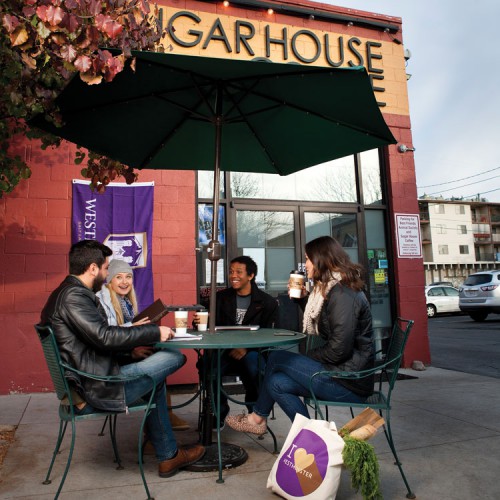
<point x="120" y="303"/>
<point x="118" y="295"/>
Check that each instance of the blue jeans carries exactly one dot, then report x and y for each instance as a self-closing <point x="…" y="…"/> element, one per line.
<point x="286" y="381"/>
<point x="158" y="366"/>
<point x="246" y="368"/>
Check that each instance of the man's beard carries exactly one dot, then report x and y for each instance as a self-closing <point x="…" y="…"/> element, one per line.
<point x="98" y="282"/>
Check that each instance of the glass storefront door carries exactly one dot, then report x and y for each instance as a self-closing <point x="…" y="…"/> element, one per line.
<point x="275" y="239"/>
<point x="341" y="226"/>
<point x="270" y="238"/>
<point x="271" y="218"/>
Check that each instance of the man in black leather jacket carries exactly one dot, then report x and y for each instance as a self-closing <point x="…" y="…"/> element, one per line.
<point x="87" y="342"/>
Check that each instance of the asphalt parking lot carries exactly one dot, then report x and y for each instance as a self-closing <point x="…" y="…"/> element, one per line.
<point x="459" y="343"/>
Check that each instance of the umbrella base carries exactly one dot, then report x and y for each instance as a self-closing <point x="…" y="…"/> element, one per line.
<point x="232" y="456"/>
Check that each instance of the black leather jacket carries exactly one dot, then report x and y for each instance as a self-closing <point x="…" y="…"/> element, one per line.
<point x="88" y="343"/>
<point x="345" y="325"/>
<point x="263" y="308"/>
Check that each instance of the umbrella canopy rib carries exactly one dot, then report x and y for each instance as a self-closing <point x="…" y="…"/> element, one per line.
<point x="258" y="137"/>
<point x="288" y="104"/>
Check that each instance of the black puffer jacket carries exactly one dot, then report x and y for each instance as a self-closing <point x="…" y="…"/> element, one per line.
<point x="88" y="343"/>
<point x="345" y="325"/>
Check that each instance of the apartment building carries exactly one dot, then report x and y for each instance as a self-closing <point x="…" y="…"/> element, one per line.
<point x="458" y="238"/>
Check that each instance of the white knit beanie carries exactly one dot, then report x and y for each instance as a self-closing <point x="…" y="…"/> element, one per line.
<point x="117" y="266"/>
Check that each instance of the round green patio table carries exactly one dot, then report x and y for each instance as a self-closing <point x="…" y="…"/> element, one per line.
<point x="225" y="455"/>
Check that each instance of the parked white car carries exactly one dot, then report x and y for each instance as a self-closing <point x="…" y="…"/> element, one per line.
<point x="441" y="299"/>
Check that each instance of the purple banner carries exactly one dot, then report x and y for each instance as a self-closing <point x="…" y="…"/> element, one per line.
<point x="122" y="219"/>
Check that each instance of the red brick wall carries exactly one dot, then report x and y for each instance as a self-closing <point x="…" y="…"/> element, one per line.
<point x="35" y="236"/>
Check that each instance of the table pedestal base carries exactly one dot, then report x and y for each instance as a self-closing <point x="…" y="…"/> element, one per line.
<point x="232" y="456"/>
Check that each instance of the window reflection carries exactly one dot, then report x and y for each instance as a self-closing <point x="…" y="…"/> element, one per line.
<point x="342" y="227"/>
<point x="269" y="238"/>
<point x="206" y="184"/>
<point x="333" y="181"/>
<point x="372" y="184"/>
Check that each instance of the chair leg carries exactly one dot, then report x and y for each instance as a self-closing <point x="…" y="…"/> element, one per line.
<point x="60" y="437"/>
<point x="140" y="455"/>
<point x="103" y="426"/>
<point x="275" y="442"/>
<point x="70" y="456"/>
<point x="112" y="434"/>
<point x="390" y="440"/>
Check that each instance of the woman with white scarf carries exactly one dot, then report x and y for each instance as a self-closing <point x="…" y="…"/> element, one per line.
<point x="338" y="312"/>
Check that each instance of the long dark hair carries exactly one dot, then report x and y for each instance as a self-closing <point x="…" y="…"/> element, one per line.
<point x="327" y="255"/>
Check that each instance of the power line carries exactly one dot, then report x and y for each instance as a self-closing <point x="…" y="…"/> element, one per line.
<point x="484" y="192"/>
<point x="458" y="180"/>
<point x="462" y="198"/>
<point x="465" y="185"/>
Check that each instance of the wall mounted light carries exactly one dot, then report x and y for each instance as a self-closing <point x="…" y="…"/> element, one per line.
<point x="350" y="23"/>
<point x="225" y="3"/>
<point x="403" y="148"/>
<point x="270" y="11"/>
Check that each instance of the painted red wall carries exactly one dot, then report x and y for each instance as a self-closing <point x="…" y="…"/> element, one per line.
<point x="408" y="273"/>
<point x="35" y="236"/>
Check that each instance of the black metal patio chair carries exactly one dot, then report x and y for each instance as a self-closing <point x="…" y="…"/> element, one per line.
<point x="57" y="369"/>
<point x="387" y="370"/>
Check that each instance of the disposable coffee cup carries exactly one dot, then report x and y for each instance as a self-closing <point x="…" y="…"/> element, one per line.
<point x="202" y="325"/>
<point x="181" y="321"/>
<point x="296" y="281"/>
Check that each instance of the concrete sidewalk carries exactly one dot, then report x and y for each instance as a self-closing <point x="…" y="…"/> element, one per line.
<point x="446" y="426"/>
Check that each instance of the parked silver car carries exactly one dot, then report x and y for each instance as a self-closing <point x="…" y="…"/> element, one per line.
<point x="480" y="295"/>
<point x="441" y="299"/>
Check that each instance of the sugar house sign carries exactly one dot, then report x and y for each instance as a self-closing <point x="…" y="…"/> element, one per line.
<point x="328" y="49"/>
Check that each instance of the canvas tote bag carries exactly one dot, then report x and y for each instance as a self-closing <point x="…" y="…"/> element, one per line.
<point x="310" y="461"/>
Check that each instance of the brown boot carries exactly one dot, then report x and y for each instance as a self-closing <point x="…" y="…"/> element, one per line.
<point x="177" y="423"/>
<point x="185" y="456"/>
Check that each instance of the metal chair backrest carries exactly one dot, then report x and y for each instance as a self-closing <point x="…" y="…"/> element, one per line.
<point x="400" y="333"/>
<point x="313" y="341"/>
<point x="53" y="359"/>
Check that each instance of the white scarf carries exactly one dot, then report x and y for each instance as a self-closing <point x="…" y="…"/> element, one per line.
<point x="315" y="304"/>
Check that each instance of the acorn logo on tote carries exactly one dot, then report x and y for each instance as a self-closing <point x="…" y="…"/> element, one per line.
<point x="303" y="467"/>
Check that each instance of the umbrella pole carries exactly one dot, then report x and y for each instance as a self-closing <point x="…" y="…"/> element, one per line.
<point x="214" y="250"/>
<point x="233" y="455"/>
<point x="214" y="254"/>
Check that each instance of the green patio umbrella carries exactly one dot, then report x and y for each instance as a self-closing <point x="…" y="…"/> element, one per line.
<point x="198" y="113"/>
